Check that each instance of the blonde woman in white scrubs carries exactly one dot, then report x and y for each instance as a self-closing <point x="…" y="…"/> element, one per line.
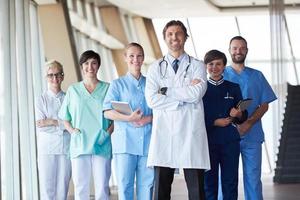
<point x="52" y="138"/>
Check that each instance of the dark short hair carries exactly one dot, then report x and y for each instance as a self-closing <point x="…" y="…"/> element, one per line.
<point x="175" y="23"/>
<point x="87" y="55"/>
<point x="134" y="44"/>
<point x="238" y="38"/>
<point x="215" y="55"/>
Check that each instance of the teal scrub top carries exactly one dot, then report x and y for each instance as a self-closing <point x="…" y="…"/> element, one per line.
<point x="84" y="111"/>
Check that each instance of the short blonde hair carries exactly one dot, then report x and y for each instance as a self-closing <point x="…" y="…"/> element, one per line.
<point x="133" y="44"/>
<point x="54" y="64"/>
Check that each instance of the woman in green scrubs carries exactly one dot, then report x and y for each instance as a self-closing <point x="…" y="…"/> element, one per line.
<point x="90" y="146"/>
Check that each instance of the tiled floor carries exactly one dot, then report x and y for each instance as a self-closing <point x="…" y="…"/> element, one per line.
<point x="271" y="191"/>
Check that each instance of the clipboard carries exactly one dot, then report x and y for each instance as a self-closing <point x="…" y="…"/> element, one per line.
<point x="122" y="107"/>
<point x="244" y="104"/>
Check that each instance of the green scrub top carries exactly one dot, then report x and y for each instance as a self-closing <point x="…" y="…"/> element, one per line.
<point x="84" y="111"/>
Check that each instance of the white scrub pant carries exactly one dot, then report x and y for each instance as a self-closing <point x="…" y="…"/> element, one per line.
<point x="128" y="167"/>
<point x="251" y="157"/>
<point x="82" y="168"/>
<point x="54" y="176"/>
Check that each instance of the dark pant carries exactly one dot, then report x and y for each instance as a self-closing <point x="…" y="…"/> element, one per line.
<point x="225" y="156"/>
<point x="194" y="179"/>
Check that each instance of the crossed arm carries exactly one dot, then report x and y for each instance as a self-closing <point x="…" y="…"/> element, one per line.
<point x="169" y="98"/>
<point x="46" y="122"/>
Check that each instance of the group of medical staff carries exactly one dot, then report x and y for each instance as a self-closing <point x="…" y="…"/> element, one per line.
<point x="180" y="119"/>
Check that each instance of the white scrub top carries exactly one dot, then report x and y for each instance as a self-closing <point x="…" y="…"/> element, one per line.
<point x="51" y="139"/>
<point x="179" y="138"/>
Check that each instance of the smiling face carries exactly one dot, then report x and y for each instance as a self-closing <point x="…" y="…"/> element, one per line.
<point x="54" y="78"/>
<point x="175" y="38"/>
<point x="134" y="57"/>
<point x="238" y="51"/>
<point x="215" y="69"/>
<point x="90" y="68"/>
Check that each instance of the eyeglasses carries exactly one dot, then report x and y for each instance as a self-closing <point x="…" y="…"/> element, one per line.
<point x="57" y="75"/>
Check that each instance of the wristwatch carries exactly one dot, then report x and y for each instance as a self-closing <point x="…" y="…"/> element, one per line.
<point x="163" y="90"/>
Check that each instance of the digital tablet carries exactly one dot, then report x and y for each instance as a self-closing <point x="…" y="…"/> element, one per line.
<point x="244" y="104"/>
<point x="122" y="107"/>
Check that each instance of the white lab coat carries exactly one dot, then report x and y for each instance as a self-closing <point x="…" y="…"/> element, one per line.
<point x="51" y="139"/>
<point x="179" y="138"/>
<point x="53" y="147"/>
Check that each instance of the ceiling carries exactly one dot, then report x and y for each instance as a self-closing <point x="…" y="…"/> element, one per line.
<point x="196" y="8"/>
<point x="189" y="8"/>
<point x="248" y="3"/>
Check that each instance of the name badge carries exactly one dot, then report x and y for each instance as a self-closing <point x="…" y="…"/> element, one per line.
<point x="228" y="96"/>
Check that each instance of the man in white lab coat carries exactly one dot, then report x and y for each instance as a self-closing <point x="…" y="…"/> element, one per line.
<point x="174" y="89"/>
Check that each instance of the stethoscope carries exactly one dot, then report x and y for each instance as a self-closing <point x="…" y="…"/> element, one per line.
<point x="163" y="75"/>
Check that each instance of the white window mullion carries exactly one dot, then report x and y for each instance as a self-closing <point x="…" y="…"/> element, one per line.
<point x="10" y="172"/>
<point x="25" y="102"/>
<point x="37" y="55"/>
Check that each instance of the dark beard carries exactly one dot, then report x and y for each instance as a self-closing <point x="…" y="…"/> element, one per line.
<point x="240" y="61"/>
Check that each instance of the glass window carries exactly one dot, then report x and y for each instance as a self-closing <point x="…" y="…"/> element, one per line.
<point x="212" y="33"/>
<point x="256" y="30"/>
<point x="99" y="22"/>
<point x="90" y="13"/>
<point x="294" y="30"/>
<point x="129" y="27"/>
<point x="80" y="8"/>
<point x="70" y="4"/>
<point x="20" y="62"/>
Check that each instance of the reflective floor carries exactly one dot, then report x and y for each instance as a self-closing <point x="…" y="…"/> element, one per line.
<point x="271" y="191"/>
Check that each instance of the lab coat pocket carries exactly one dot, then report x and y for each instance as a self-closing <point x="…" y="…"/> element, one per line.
<point x="197" y="120"/>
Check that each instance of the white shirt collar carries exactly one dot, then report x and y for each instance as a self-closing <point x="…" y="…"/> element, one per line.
<point x="171" y="59"/>
<point x="52" y="94"/>
<point x="216" y="83"/>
